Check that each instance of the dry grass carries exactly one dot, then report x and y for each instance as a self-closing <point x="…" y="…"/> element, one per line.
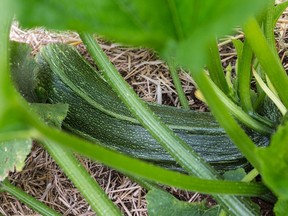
<point x="150" y="78"/>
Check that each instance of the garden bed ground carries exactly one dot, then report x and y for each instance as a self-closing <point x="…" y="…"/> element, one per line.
<point x="150" y="78"/>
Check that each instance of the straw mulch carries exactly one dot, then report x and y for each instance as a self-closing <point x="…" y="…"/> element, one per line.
<point x="150" y="78"/>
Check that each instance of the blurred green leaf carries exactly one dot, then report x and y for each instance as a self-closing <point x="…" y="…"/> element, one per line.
<point x="51" y="114"/>
<point x="12" y="156"/>
<point x="281" y="207"/>
<point x="274" y="162"/>
<point x="161" y="203"/>
<point x="178" y="28"/>
<point x="235" y="175"/>
<point x="9" y="115"/>
<point x="278" y="10"/>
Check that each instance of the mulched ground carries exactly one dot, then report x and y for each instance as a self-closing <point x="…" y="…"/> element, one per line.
<point x="150" y="78"/>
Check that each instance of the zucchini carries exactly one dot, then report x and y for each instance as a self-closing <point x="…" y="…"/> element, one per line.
<point x="97" y="114"/>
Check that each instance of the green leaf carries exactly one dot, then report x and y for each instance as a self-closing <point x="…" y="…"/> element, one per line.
<point x="51" y="114"/>
<point x="235" y="175"/>
<point x="23" y="70"/>
<point x="12" y="156"/>
<point x="278" y="10"/>
<point x="161" y="203"/>
<point x="238" y="44"/>
<point x="172" y="27"/>
<point x="274" y="162"/>
<point x="281" y="207"/>
<point x="244" y="77"/>
<point x="215" y="68"/>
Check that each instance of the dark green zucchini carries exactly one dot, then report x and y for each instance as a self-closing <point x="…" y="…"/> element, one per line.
<point x="97" y="114"/>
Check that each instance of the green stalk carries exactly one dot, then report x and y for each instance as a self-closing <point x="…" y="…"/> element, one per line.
<point x="5" y="23"/>
<point x="269" y="26"/>
<point x="28" y="200"/>
<point x="221" y="113"/>
<point x="270" y="93"/>
<point x="215" y="68"/>
<point x="22" y="134"/>
<point x="250" y="176"/>
<point x="183" y="154"/>
<point x="173" y="72"/>
<point x="239" y="113"/>
<point x="6" y="91"/>
<point x="269" y="61"/>
<point x="278" y="10"/>
<point x="225" y="119"/>
<point x="87" y="186"/>
<point x="244" y="77"/>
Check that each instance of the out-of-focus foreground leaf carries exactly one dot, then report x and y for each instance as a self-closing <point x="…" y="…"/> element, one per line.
<point x="235" y="175"/>
<point x="274" y="162"/>
<point x="281" y="207"/>
<point x="178" y="28"/>
<point x="51" y="114"/>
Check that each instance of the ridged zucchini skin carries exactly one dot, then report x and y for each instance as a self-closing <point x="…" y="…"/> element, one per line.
<point x="97" y="114"/>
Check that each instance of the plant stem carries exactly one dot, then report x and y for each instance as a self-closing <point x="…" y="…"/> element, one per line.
<point x="12" y="135"/>
<point x="244" y="77"/>
<point x="239" y="113"/>
<point x="251" y="175"/>
<point x="278" y="10"/>
<point x="7" y="97"/>
<point x="87" y="186"/>
<point x="235" y="132"/>
<point x="5" y="23"/>
<point x="27" y="199"/>
<point x="269" y="61"/>
<point x="215" y="68"/>
<point x="270" y="94"/>
<point x="183" y="154"/>
<point x="269" y="26"/>
<point x="222" y="114"/>
<point x="177" y="83"/>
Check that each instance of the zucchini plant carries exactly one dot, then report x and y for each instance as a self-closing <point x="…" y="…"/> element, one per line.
<point x="250" y="125"/>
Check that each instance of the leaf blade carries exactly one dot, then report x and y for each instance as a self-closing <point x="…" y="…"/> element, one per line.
<point x="171" y="30"/>
<point x="274" y="162"/>
<point x="12" y="156"/>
